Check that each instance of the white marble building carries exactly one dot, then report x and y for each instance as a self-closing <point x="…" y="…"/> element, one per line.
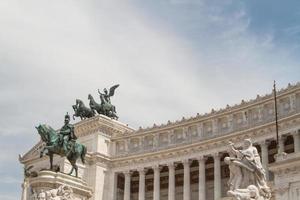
<point x="184" y="159"/>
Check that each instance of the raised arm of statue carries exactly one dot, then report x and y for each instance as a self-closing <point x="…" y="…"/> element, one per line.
<point x="233" y="150"/>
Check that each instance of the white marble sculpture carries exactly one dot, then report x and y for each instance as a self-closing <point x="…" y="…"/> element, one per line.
<point x="247" y="177"/>
<point x="63" y="192"/>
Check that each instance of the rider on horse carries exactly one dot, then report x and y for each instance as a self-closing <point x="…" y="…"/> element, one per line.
<point x="67" y="136"/>
<point x="105" y="97"/>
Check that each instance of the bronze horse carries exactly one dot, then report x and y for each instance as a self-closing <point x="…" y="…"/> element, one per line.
<point x="52" y="138"/>
<point x="82" y="111"/>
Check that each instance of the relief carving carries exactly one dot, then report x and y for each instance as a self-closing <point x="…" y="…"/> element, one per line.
<point x="63" y="192"/>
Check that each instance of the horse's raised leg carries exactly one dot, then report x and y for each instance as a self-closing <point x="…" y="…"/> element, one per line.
<point x="51" y="160"/>
<point x="72" y="163"/>
<point x="70" y="173"/>
<point x="76" y="170"/>
<point x="42" y="152"/>
<point x="74" y="166"/>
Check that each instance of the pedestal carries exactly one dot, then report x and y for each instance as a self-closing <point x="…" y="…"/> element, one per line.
<point x="49" y="182"/>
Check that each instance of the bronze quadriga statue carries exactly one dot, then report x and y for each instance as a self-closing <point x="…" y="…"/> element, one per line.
<point x="103" y="108"/>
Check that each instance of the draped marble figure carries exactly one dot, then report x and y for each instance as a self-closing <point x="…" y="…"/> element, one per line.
<point x="247" y="176"/>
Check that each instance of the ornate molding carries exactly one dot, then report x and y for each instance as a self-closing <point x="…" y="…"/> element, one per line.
<point x="202" y="147"/>
<point x="103" y="124"/>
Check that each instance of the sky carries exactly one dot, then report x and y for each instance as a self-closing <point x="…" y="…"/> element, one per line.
<point x="172" y="58"/>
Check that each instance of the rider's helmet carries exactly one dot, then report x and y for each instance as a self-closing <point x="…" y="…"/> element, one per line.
<point x="67" y="116"/>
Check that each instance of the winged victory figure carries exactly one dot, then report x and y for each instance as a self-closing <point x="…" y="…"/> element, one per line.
<point x="108" y="109"/>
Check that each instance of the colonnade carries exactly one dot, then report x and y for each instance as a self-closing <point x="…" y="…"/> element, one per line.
<point x="186" y="173"/>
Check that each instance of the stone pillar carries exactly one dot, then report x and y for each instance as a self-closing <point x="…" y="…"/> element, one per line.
<point x="215" y="127"/>
<point x="296" y="141"/>
<point x="260" y="112"/>
<point x="171" y="190"/>
<point x="155" y="140"/>
<point x="112" y="148"/>
<point x="202" y="183"/>
<point x="200" y="130"/>
<point x="292" y="98"/>
<point x="127" y="185"/>
<point x="141" y="184"/>
<point x="24" y="190"/>
<point x="230" y="122"/>
<point x="111" y="190"/>
<point x="281" y="144"/>
<point x="170" y="136"/>
<point x="156" y="187"/>
<point x="187" y="136"/>
<point x="186" y="180"/>
<point x="245" y="117"/>
<point x="265" y="157"/>
<point x="127" y="145"/>
<point x="217" y="176"/>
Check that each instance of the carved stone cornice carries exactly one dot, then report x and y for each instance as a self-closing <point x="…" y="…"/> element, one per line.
<point x="98" y="158"/>
<point x="286" y="164"/>
<point x="103" y="124"/>
<point x="33" y="153"/>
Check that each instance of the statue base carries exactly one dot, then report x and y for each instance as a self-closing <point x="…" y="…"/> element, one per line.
<point x="227" y="198"/>
<point x="49" y="184"/>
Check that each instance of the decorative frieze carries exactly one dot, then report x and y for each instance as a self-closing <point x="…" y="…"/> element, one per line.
<point x="187" y="131"/>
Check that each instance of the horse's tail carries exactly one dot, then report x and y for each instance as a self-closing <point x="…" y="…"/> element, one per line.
<point x="83" y="153"/>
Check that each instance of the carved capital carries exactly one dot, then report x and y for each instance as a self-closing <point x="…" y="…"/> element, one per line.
<point x="127" y="173"/>
<point x="202" y="158"/>
<point x="296" y="133"/>
<point x="171" y="164"/>
<point x="264" y="143"/>
<point x="217" y="155"/>
<point x="157" y="168"/>
<point x="282" y="138"/>
<point x="142" y="170"/>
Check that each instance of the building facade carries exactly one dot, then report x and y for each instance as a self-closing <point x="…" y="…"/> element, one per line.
<point x="184" y="159"/>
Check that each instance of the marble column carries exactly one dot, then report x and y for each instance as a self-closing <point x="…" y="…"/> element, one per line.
<point x="296" y="141"/>
<point x="127" y="185"/>
<point x="202" y="183"/>
<point x="24" y="190"/>
<point x="186" y="180"/>
<point x="260" y="112"/>
<point x="281" y="144"/>
<point x="217" y="176"/>
<point x="292" y="102"/>
<point x="200" y="130"/>
<point x="215" y="127"/>
<point x="171" y="190"/>
<point x="141" y="184"/>
<point x="265" y="157"/>
<point x="156" y="187"/>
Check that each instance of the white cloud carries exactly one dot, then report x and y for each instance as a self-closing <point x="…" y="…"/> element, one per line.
<point x="175" y="60"/>
<point x="54" y="52"/>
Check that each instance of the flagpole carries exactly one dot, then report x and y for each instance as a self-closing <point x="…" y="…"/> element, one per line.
<point x="276" y="115"/>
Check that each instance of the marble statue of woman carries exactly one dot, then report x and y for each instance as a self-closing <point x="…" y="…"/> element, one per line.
<point x="246" y="163"/>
